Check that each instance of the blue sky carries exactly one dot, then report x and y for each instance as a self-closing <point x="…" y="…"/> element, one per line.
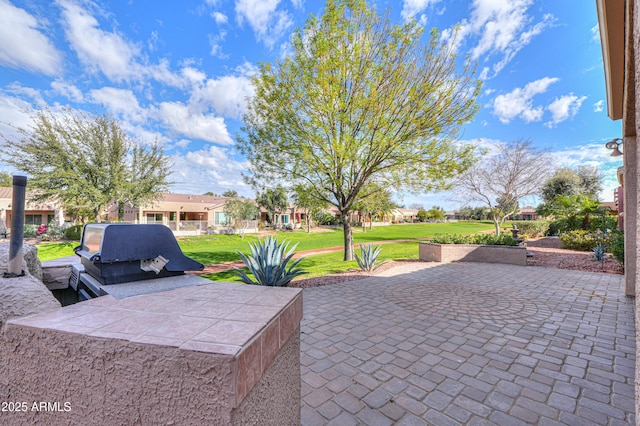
<point x="179" y="73"/>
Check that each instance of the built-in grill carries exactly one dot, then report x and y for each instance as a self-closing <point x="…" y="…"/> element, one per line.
<point x="128" y="259"/>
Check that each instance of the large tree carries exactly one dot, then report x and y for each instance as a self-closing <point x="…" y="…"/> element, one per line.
<point x="86" y="162"/>
<point x="359" y="100"/>
<point x="274" y="201"/>
<point x="500" y="180"/>
<point x="584" y="181"/>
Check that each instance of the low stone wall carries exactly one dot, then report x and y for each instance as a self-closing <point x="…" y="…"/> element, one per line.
<point x="513" y="255"/>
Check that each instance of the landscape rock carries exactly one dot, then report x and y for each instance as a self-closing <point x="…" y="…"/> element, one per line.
<point x="30" y="262"/>
<point x="26" y="295"/>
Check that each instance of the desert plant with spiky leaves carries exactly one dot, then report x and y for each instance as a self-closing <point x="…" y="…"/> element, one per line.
<point x="368" y="259"/>
<point x="269" y="263"/>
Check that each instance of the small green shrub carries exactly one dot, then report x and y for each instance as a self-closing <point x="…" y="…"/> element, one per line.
<point x="54" y="232"/>
<point x="268" y="263"/>
<point x="502" y="239"/>
<point x="73" y="232"/>
<point x="532" y="228"/>
<point x="580" y="240"/>
<point x="616" y="246"/>
<point x="30" y="231"/>
<point x="451" y="239"/>
<point x="368" y="260"/>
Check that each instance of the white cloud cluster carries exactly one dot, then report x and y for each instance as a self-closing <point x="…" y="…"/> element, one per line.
<point x="193" y="124"/>
<point x="226" y="95"/>
<point x="502" y="27"/>
<point x="265" y="19"/>
<point x="23" y="45"/>
<point x="519" y="102"/>
<point x="412" y="8"/>
<point x="99" y="50"/>
<point x="563" y="108"/>
<point x="67" y="90"/>
<point x="119" y="101"/>
<point x="598" y="106"/>
<point x="212" y="169"/>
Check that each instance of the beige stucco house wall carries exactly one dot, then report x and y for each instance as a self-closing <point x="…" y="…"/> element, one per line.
<point x="619" y="22"/>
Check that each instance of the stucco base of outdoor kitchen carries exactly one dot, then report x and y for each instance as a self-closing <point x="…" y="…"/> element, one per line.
<point x="431" y="252"/>
<point x="218" y="353"/>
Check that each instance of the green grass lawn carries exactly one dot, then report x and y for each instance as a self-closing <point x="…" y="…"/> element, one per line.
<point x="332" y="263"/>
<point x="217" y="248"/>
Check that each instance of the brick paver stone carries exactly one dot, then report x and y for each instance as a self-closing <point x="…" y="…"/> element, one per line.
<point x="469" y="343"/>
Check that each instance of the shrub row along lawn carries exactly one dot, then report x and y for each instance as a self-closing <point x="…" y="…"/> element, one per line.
<point x="211" y="249"/>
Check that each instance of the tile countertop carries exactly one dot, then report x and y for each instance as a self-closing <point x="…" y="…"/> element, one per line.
<point x="221" y="318"/>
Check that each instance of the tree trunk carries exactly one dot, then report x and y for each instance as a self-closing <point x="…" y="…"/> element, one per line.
<point x="496" y="222"/>
<point x="348" y="238"/>
<point x="120" y="211"/>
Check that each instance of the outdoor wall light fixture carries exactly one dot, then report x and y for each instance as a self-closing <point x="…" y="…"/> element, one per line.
<point x="615" y="146"/>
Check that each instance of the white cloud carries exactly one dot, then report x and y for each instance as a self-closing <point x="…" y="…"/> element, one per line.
<point x="97" y="49"/>
<point x="220" y="18"/>
<point x="411" y="8"/>
<point x="193" y="124"/>
<point x="119" y="101"/>
<point x="598" y="106"/>
<point x="595" y="33"/>
<point x="519" y="102"/>
<point x="27" y="92"/>
<point x="564" y="107"/>
<point x="22" y="45"/>
<point x="67" y="90"/>
<point x="227" y="95"/>
<point x="193" y="75"/>
<point x="212" y="169"/>
<point x="216" y="44"/>
<point x="268" y="23"/>
<point x="503" y="27"/>
<point x="15" y="113"/>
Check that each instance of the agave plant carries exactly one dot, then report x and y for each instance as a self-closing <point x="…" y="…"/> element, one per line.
<point x="599" y="251"/>
<point x="268" y="263"/>
<point x="368" y="260"/>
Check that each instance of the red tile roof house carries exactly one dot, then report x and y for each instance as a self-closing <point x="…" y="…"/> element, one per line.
<point x="184" y="214"/>
<point x="36" y="213"/>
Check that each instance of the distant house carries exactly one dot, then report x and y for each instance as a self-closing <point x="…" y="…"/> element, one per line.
<point x="184" y="214"/>
<point x="404" y="215"/>
<point x="527" y="213"/>
<point x="611" y="207"/>
<point x="36" y="213"/>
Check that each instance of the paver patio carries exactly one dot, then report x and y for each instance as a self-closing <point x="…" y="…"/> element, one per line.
<point x="469" y="343"/>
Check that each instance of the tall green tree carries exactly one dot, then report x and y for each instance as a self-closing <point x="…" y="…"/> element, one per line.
<point x="360" y="99"/>
<point x="585" y="181"/>
<point x="86" y="162"/>
<point x="274" y="201"/>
